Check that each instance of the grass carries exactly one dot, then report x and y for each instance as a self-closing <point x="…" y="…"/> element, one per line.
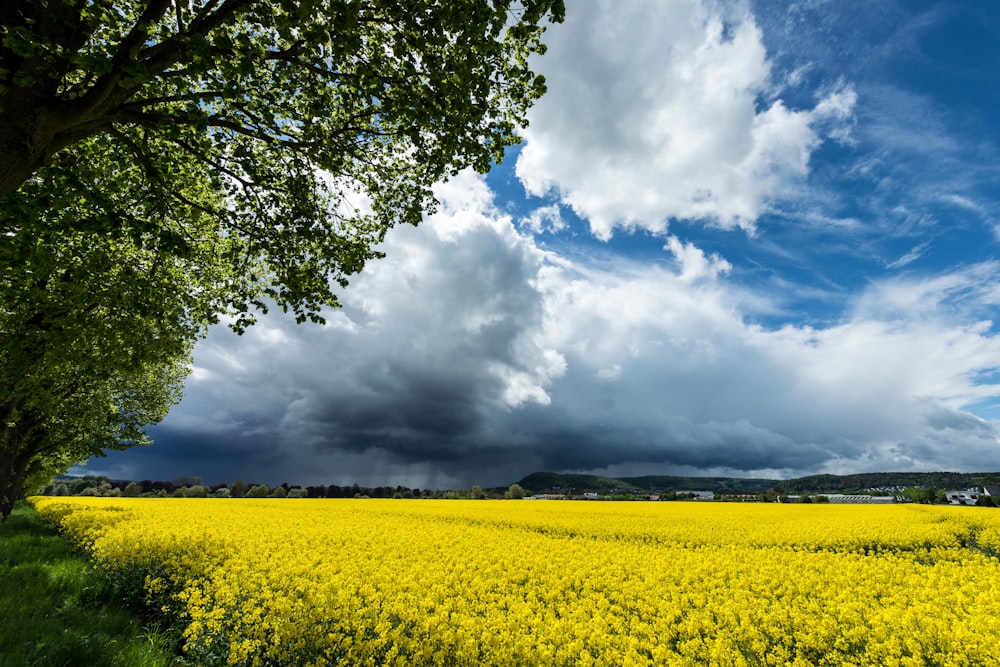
<point x="57" y="611"/>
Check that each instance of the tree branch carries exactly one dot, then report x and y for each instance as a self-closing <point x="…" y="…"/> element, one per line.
<point x="107" y="83"/>
<point x="154" y="11"/>
<point x="239" y="128"/>
<point x="136" y="105"/>
<point x="214" y="164"/>
<point x="159" y="56"/>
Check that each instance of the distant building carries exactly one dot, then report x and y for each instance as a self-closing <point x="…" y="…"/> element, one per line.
<point x="743" y="497"/>
<point x="991" y="490"/>
<point x="589" y="495"/>
<point x="963" y="497"/>
<point x="547" y="496"/>
<point x="699" y="495"/>
<point x="859" y="499"/>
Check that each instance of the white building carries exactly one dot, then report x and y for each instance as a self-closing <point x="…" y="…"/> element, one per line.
<point x="963" y="497"/>
<point x="857" y="499"/>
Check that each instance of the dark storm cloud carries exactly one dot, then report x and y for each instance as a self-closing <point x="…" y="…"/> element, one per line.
<point x="472" y="356"/>
<point x="411" y="370"/>
<point x="475" y="353"/>
<point x="563" y="442"/>
<point x="940" y="418"/>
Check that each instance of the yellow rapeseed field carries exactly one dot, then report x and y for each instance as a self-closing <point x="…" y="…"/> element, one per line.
<point x="423" y="582"/>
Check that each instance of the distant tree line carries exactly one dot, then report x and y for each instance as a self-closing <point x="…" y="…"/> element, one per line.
<point x="733" y="488"/>
<point x="193" y="487"/>
<point x="885" y="483"/>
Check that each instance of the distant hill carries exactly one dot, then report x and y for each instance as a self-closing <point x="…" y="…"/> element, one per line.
<point x="542" y="482"/>
<point x="721" y="484"/>
<point x="886" y="480"/>
<point x="553" y="482"/>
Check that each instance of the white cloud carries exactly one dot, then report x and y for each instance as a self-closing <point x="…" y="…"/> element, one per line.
<point x="473" y="353"/>
<point x="469" y="355"/>
<point x="964" y="294"/>
<point x="658" y="110"/>
<point x="545" y="219"/>
<point x="695" y="384"/>
<point x="915" y="253"/>
<point x="963" y="202"/>
<point x="695" y="265"/>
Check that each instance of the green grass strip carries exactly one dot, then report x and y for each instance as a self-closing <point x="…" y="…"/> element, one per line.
<point x="57" y="611"/>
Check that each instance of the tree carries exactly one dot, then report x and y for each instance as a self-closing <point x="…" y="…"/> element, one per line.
<point x="82" y="417"/>
<point x="515" y="492"/>
<point x="169" y="162"/>
<point x="77" y="485"/>
<point x="918" y="494"/>
<point x="258" y="491"/>
<point x="95" y="340"/>
<point x="286" y="114"/>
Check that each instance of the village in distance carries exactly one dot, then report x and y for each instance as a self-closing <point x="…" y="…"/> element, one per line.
<point x="979" y="489"/>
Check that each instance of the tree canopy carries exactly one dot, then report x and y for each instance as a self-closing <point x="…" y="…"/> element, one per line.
<point x="170" y="162"/>
<point x="95" y="338"/>
<point x="313" y="126"/>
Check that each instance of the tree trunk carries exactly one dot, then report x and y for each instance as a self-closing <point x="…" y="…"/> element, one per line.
<point x="18" y="163"/>
<point x="12" y="475"/>
<point x="16" y="454"/>
<point x="32" y="129"/>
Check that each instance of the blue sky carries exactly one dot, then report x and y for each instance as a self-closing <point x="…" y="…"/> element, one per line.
<point x="754" y="239"/>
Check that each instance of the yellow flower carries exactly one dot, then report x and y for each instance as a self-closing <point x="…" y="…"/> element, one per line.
<point x="480" y="583"/>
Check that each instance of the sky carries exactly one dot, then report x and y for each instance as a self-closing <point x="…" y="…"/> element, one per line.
<point x="750" y="239"/>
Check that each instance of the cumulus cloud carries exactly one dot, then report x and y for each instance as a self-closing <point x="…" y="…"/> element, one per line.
<point x="429" y="343"/>
<point x="666" y="110"/>
<point x="544" y="219"/>
<point x="698" y="386"/>
<point x="966" y="293"/>
<point x="471" y="356"/>
<point x="694" y="263"/>
<point x="475" y="353"/>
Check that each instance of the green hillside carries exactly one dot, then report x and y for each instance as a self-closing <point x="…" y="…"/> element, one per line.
<point x="551" y="482"/>
<point x="886" y="480"/>
<point x="721" y="484"/>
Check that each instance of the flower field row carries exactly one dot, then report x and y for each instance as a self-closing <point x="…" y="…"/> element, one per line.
<point x="370" y="582"/>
